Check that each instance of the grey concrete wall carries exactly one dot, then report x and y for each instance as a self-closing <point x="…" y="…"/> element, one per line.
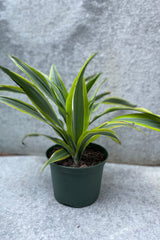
<point x="125" y="33"/>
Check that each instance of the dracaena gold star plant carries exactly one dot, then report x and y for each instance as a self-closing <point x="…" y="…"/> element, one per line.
<point x="75" y="108"/>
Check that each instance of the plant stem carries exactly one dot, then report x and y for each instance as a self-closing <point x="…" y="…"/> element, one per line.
<point x="75" y="161"/>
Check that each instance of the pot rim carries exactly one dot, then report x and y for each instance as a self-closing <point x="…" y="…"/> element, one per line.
<point x="84" y="168"/>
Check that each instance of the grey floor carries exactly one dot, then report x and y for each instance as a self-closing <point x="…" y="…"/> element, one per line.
<point x="128" y="206"/>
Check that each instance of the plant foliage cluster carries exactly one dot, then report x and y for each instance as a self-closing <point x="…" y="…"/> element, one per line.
<point x="75" y="108"/>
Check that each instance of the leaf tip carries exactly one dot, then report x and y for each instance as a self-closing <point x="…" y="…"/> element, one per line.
<point x="9" y="55"/>
<point x="22" y="141"/>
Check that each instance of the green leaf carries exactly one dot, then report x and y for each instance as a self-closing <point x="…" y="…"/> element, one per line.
<point x="55" y="140"/>
<point x="66" y="137"/>
<point x="62" y="113"/>
<point x="58" y="155"/>
<point x="93" y="108"/>
<point x="43" y="82"/>
<point x="92" y="81"/>
<point x="36" y="76"/>
<point x="84" y="140"/>
<point x="101" y="95"/>
<point x="93" y="99"/>
<point x="60" y="99"/>
<point x="117" y="124"/>
<point x="11" y="89"/>
<point x="55" y="78"/>
<point x="147" y="120"/>
<point x="56" y="93"/>
<point x="118" y="101"/>
<point x="110" y="100"/>
<point x="35" y="95"/>
<point x="88" y="78"/>
<point x="80" y="114"/>
<point x="95" y="92"/>
<point x="113" y="109"/>
<point x="59" y="90"/>
<point x="77" y="105"/>
<point x="22" y="107"/>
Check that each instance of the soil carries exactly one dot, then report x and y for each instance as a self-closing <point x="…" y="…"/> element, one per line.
<point x="90" y="157"/>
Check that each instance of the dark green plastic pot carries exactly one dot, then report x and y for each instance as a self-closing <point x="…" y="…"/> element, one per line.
<point x="77" y="187"/>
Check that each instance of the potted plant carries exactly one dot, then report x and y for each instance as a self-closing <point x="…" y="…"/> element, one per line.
<point x="76" y="162"/>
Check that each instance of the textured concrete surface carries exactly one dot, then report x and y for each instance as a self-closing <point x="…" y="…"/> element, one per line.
<point x="125" y="33"/>
<point x="128" y="206"/>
